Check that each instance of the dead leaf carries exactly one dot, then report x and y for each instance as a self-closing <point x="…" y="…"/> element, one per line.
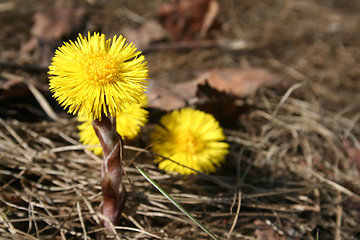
<point x="162" y="96"/>
<point x="151" y="31"/>
<point x="188" y="19"/>
<point x="240" y="82"/>
<point x="167" y="97"/>
<point x="224" y="107"/>
<point x="50" y="26"/>
<point x="237" y="83"/>
<point x="234" y="81"/>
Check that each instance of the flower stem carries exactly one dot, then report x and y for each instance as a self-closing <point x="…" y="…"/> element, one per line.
<point x="111" y="169"/>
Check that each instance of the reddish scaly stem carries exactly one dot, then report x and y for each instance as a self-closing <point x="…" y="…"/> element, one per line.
<point x="111" y="169"/>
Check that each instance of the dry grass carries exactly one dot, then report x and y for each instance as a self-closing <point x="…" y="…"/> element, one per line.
<point x="288" y="168"/>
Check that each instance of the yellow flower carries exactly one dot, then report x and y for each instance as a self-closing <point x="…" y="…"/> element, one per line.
<point x="128" y="125"/>
<point x="191" y="138"/>
<point x="93" y="75"/>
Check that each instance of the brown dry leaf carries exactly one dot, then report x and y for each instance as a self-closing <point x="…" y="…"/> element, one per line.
<point x="167" y="97"/>
<point x="50" y="26"/>
<point x="237" y="83"/>
<point x="234" y="81"/>
<point x="151" y="31"/>
<point x="186" y="19"/>
<point x="162" y="96"/>
<point x="213" y="101"/>
<point x="240" y="82"/>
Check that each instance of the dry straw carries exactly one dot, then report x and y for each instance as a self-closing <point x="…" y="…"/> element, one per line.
<point x="288" y="170"/>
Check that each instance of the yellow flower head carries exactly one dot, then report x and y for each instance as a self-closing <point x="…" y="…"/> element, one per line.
<point x="191" y="138"/>
<point x="94" y="75"/>
<point x="128" y="125"/>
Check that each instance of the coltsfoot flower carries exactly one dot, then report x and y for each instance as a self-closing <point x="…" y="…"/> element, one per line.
<point x="128" y="125"/>
<point x="191" y="138"/>
<point x="94" y="75"/>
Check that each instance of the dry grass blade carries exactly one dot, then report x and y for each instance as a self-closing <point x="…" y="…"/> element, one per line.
<point x="176" y="204"/>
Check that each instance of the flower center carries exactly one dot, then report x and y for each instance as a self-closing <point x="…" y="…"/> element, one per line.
<point x="188" y="142"/>
<point x="99" y="68"/>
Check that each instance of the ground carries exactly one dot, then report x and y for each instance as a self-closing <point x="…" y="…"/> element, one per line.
<point x="293" y="170"/>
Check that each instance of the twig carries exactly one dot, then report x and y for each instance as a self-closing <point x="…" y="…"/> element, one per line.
<point x="81" y="220"/>
<point x="223" y="44"/>
<point x="338" y="218"/>
<point x="29" y="68"/>
<point x="286" y="95"/>
<point x="42" y="101"/>
<point x="236" y="215"/>
<point x="335" y="185"/>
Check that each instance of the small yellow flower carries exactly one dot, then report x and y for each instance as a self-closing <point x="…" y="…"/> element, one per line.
<point x="93" y="75"/>
<point x="191" y="138"/>
<point x="128" y="125"/>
